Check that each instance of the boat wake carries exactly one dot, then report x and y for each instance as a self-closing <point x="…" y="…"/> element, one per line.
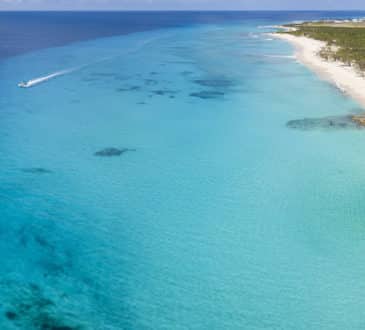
<point x="37" y="81"/>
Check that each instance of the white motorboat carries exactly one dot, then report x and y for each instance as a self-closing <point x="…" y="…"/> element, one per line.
<point x="24" y="84"/>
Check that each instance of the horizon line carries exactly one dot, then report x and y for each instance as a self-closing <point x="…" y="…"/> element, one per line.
<point x="182" y="10"/>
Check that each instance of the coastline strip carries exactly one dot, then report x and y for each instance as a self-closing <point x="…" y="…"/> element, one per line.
<point x="346" y="78"/>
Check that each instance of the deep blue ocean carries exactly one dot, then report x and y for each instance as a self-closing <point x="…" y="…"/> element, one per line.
<point x="175" y="170"/>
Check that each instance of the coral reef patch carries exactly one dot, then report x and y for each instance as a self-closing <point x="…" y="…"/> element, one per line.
<point x="36" y="170"/>
<point x="325" y="123"/>
<point x="205" y="95"/>
<point x="112" y="152"/>
<point x="30" y="309"/>
<point x="217" y="83"/>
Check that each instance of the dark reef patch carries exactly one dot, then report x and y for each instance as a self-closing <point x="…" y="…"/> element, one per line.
<point x="112" y="152"/>
<point x="120" y="77"/>
<point x="53" y="267"/>
<point x="217" y="83"/>
<point x="30" y="309"/>
<point x="162" y="92"/>
<point x="129" y="89"/>
<point x="10" y="315"/>
<point x="23" y="236"/>
<point x="36" y="170"/>
<point x="43" y="242"/>
<point x="150" y="82"/>
<point x="325" y="123"/>
<point x="206" y="95"/>
<point x="53" y="260"/>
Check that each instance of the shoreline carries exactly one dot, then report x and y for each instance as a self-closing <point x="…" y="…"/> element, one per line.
<point x="346" y="78"/>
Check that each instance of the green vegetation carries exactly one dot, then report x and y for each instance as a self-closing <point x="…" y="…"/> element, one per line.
<point x="345" y="41"/>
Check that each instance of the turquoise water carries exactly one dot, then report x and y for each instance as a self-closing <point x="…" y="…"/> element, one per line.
<point x="222" y="218"/>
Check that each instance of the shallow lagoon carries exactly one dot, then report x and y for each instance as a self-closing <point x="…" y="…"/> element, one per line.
<point x="223" y="217"/>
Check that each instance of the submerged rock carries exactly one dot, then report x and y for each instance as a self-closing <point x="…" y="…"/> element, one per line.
<point x="112" y="152"/>
<point x="332" y="123"/>
<point x="36" y="170"/>
<point x="208" y="95"/>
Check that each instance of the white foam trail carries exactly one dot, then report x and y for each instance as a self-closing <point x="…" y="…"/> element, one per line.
<point x="37" y="81"/>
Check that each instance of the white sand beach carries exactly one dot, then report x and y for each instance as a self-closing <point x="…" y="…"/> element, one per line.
<point x="345" y="77"/>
